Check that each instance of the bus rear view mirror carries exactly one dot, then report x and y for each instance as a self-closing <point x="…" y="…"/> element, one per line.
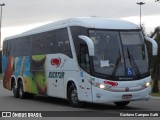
<point x="154" y="45"/>
<point x="90" y="44"/>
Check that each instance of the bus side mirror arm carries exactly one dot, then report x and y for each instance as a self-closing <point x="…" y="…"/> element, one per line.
<point x="90" y="44"/>
<point x="154" y="45"/>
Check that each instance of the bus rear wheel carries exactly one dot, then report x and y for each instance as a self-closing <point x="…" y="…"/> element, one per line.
<point x="21" y="92"/>
<point x="122" y="104"/>
<point x="15" y="90"/>
<point x="73" y="97"/>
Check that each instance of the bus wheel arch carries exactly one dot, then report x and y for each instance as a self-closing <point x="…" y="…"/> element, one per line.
<point x="72" y="95"/>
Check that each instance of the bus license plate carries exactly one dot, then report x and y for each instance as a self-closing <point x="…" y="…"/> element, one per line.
<point x="126" y="96"/>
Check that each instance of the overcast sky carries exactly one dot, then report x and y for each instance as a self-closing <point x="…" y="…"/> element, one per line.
<point x="18" y="13"/>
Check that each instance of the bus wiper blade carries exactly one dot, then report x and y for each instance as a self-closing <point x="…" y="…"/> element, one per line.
<point x="116" y="66"/>
<point x="133" y="63"/>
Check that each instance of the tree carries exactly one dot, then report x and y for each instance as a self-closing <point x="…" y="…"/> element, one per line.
<point x="156" y="61"/>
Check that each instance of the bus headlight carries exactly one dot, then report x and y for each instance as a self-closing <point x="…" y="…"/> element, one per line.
<point x="147" y="84"/>
<point x="102" y="86"/>
<point x="98" y="85"/>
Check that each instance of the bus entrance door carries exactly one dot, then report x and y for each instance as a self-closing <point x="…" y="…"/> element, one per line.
<point x="86" y="87"/>
<point x="84" y="76"/>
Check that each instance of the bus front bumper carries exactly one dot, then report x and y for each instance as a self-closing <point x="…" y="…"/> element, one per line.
<point x="104" y="96"/>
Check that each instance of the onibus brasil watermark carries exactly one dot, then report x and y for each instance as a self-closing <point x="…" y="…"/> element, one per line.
<point x="139" y="114"/>
<point x="21" y="114"/>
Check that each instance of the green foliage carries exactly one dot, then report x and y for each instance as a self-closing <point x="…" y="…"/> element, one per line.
<point x="156" y="94"/>
<point x="156" y="62"/>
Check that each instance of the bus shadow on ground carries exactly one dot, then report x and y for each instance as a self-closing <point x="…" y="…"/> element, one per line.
<point x="87" y="106"/>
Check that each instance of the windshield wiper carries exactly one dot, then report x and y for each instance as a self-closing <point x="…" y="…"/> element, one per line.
<point x="116" y="65"/>
<point x="133" y="63"/>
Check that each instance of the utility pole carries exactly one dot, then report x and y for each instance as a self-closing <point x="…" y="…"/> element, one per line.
<point x="1" y="5"/>
<point x="140" y="4"/>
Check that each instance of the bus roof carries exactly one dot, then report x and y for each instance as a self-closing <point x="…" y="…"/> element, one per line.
<point x="93" y="22"/>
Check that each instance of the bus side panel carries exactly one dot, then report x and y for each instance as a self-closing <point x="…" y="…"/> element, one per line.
<point x="33" y="74"/>
<point x="30" y="69"/>
<point x="22" y="70"/>
<point x="37" y="67"/>
<point x="7" y="71"/>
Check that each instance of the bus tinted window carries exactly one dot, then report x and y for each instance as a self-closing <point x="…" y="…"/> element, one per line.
<point x="8" y="49"/>
<point x="18" y="47"/>
<point x="55" y="41"/>
<point x="12" y="44"/>
<point x="63" y="43"/>
<point x="26" y="46"/>
<point x="50" y="43"/>
<point x="5" y="48"/>
<point x="76" y="31"/>
<point x="37" y="44"/>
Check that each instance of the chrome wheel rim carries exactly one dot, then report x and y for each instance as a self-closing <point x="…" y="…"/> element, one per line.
<point x="20" y="92"/>
<point x="14" y="89"/>
<point x="74" y="96"/>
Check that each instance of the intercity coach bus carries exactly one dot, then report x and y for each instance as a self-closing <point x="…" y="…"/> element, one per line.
<point x="93" y="60"/>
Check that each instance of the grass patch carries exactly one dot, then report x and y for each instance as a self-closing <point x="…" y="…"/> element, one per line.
<point x="156" y="94"/>
<point x="0" y="76"/>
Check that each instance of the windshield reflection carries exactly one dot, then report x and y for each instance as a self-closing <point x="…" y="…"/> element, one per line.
<point x="112" y="50"/>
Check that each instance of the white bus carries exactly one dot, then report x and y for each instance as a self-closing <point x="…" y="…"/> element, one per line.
<point x="80" y="59"/>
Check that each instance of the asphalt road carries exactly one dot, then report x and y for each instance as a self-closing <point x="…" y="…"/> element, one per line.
<point x="39" y="103"/>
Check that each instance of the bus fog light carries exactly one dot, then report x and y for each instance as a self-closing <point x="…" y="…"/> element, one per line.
<point x="102" y="86"/>
<point x="147" y="84"/>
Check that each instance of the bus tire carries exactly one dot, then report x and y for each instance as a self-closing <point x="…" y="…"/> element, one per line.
<point x="73" y="97"/>
<point x="21" y="92"/>
<point x="122" y="104"/>
<point x="29" y="95"/>
<point x="15" y="90"/>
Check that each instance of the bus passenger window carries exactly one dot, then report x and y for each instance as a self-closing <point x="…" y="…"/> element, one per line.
<point x="5" y="48"/>
<point x="18" y="47"/>
<point x="27" y="43"/>
<point x="63" y="42"/>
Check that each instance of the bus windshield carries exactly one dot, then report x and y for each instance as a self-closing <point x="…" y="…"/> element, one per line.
<point x="119" y="53"/>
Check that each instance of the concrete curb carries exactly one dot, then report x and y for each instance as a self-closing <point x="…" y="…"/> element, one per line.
<point x="155" y="98"/>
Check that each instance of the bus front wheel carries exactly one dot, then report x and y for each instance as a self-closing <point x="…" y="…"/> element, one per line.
<point x="122" y="104"/>
<point x="73" y="97"/>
